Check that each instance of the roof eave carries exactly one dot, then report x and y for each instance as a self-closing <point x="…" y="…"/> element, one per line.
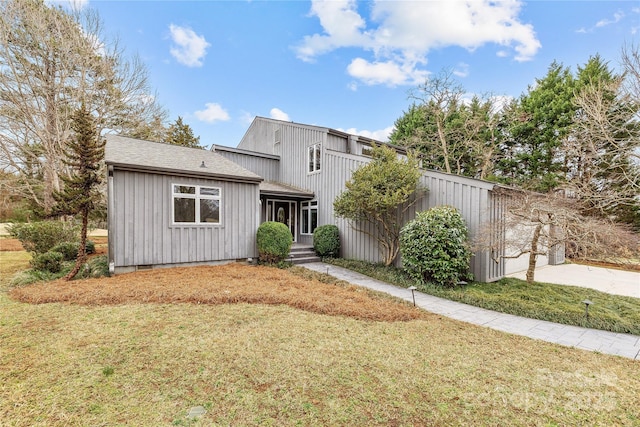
<point x="184" y="173"/>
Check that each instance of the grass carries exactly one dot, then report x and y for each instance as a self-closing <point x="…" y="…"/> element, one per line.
<point x="544" y="301"/>
<point x="140" y="363"/>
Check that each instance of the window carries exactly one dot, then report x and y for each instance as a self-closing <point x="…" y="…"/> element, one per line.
<point x="313" y="158"/>
<point x="309" y="216"/>
<point x="195" y="204"/>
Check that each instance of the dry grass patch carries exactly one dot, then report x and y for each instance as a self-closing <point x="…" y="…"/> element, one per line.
<point x="67" y="364"/>
<point x="225" y="284"/>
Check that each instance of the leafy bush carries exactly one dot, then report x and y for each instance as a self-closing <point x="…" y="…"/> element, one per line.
<point x="49" y="261"/>
<point x="40" y="237"/>
<point x="435" y="248"/>
<point x="95" y="267"/>
<point x="90" y="247"/>
<point x="69" y="250"/>
<point x="326" y="241"/>
<point x="274" y="242"/>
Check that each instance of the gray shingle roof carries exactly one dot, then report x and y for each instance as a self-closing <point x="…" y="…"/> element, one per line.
<point x="159" y="157"/>
<point x="277" y="188"/>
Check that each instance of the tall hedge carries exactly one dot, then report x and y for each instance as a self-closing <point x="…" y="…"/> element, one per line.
<point x="435" y="247"/>
<point x="274" y="241"/>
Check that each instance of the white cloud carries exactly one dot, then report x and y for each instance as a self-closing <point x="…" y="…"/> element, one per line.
<point x="342" y="24"/>
<point x="212" y="113"/>
<point x="378" y="135"/>
<point x="389" y="72"/>
<point x="616" y="18"/>
<point x="278" y="114"/>
<point x="400" y="34"/>
<point x="190" y="48"/>
<point x="461" y="70"/>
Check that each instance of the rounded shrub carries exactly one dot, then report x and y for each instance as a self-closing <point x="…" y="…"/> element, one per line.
<point x="435" y="247"/>
<point x="49" y="261"/>
<point x="90" y="247"/>
<point x="40" y="237"/>
<point x="69" y="250"/>
<point x="274" y="242"/>
<point x="326" y="240"/>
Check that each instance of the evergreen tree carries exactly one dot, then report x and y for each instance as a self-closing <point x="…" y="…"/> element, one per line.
<point x="376" y="197"/>
<point x="81" y="192"/>
<point x="541" y="121"/>
<point x="180" y="133"/>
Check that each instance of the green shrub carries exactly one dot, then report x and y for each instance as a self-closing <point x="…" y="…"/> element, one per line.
<point x="435" y="248"/>
<point x="40" y="237"/>
<point x="274" y="242"/>
<point x="326" y="241"/>
<point x="48" y="261"/>
<point x="95" y="267"/>
<point x="90" y="247"/>
<point x="69" y="250"/>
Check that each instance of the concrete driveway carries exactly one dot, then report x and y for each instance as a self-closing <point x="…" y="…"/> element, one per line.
<point x="608" y="280"/>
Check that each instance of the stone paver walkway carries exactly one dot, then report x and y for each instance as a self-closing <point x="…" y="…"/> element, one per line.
<point x="624" y="345"/>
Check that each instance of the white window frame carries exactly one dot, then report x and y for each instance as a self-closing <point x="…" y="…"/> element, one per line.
<point x="306" y="209"/>
<point x="314" y="154"/>
<point x="197" y="196"/>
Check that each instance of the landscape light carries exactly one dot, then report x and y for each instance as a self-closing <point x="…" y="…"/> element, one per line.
<point x="587" y="303"/>
<point x="413" y="295"/>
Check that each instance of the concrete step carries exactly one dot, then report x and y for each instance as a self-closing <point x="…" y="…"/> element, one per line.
<point x="302" y="254"/>
<point x="304" y="260"/>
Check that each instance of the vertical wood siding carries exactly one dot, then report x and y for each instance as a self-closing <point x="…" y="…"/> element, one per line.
<point x="143" y="234"/>
<point x="265" y="167"/>
<point x="472" y="198"/>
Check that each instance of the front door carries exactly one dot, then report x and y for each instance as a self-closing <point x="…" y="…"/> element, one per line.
<point x="283" y="211"/>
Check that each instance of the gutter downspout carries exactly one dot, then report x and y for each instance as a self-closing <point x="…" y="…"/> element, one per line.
<point x="110" y="221"/>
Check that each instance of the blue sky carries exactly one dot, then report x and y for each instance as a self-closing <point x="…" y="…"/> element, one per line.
<point x="349" y="65"/>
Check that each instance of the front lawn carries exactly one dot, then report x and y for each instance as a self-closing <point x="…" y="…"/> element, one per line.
<point x="132" y="350"/>
<point x="544" y="301"/>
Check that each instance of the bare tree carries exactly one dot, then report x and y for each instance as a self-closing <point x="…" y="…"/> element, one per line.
<point x="440" y="97"/>
<point x="537" y="224"/>
<point x="605" y="148"/>
<point x="449" y="131"/>
<point x="52" y="61"/>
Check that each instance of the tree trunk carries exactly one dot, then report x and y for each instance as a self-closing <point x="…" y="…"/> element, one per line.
<point x="534" y="253"/>
<point x="443" y="144"/>
<point x="82" y="250"/>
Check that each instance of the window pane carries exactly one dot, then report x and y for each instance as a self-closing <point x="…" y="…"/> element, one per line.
<point x="207" y="191"/>
<point x="184" y="189"/>
<point x="209" y="211"/>
<point x="310" y="158"/>
<point x="305" y="221"/>
<point x="184" y="210"/>
<point x="317" y="147"/>
<point x="314" y="220"/>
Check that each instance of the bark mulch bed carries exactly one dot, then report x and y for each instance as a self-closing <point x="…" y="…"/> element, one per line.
<point x="226" y="284"/>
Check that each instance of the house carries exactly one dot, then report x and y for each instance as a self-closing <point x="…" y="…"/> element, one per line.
<point x="170" y="205"/>
<point x="280" y="171"/>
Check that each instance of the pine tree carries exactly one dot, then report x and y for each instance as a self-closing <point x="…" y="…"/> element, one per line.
<point x="84" y="152"/>
<point x="180" y="133"/>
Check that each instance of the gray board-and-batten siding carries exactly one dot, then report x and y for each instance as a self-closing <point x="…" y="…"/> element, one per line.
<point x="141" y="229"/>
<point x="473" y="198"/>
<point x="341" y="156"/>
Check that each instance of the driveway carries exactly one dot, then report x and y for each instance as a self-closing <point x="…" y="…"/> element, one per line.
<point x="608" y="280"/>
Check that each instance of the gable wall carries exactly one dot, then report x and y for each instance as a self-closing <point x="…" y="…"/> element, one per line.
<point x="141" y="232"/>
<point x="267" y="168"/>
